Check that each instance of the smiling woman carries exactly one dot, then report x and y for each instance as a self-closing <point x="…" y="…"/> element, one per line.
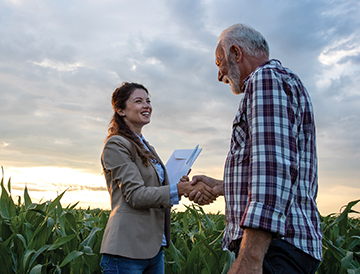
<point x="140" y="191"/>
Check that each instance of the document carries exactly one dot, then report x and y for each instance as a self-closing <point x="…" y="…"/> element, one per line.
<point x="180" y="163"/>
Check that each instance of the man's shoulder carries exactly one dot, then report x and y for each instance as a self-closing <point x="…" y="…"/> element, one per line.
<point x="273" y="69"/>
<point x="272" y="64"/>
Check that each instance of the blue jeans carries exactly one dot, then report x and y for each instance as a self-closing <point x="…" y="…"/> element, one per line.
<point x="282" y="257"/>
<point x="120" y="265"/>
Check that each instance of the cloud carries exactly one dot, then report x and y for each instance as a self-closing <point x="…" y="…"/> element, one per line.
<point x="61" y="60"/>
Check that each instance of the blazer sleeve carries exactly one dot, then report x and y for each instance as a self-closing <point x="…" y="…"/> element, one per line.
<point x="140" y="185"/>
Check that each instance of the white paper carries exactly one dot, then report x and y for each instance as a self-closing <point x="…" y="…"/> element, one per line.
<point x="180" y="162"/>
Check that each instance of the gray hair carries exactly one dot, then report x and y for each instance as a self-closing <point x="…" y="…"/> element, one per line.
<point x="250" y="40"/>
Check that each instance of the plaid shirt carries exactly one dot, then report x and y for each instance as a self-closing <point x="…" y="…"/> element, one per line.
<point x="270" y="178"/>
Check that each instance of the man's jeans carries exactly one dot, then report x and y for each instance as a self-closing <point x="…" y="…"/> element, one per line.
<point x="282" y="257"/>
<point x="121" y="265"/>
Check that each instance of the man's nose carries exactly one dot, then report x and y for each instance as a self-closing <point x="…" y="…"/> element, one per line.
<point x="220" y="76"/>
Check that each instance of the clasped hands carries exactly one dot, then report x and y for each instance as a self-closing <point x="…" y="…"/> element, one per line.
<point x="202" y="189"/>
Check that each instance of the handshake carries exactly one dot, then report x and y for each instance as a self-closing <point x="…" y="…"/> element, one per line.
<point x="202" y="189"/>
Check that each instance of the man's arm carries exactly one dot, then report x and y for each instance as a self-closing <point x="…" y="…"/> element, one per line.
<point x="254" y="245"/>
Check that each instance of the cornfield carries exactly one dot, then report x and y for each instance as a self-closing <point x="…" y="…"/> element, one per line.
<point x="47" y="238"/>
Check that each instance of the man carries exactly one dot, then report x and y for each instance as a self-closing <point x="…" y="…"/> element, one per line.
<point x="270" y="177"/>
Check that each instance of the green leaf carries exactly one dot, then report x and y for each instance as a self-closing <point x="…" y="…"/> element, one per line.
<point x="61" y="241"/>
<point x="27" y="199"/>
<point x="338" y="253"/>
<point x="36" y="269"/>
<point x="193" y="259"/>
<point x="345" y="262"/>
<point x="230" y="258"/>
<point x="72" y="256"/>
<point x="6" y="260"/>
<point x="354" y="242"/>
<point x="21" y="237"/>
<point x="176" y="255"/>
<point x="92" y="261"/>
<point x="354" y="271"/>
<point x="9" y="186"/>
<point x="26" y="258"/>
<point x="73" y="206"/>
<point x="54" y="203"/>
<point x="90" y="240"/>
<point x="7" y="205"/>
<point x="37" y="254"/>
<point x="210" y="223"/>
<point x="185" y="221"/>
<point x="343" y="217"/>
<point x="92" y="219"/>
<point x="204" y="261"/>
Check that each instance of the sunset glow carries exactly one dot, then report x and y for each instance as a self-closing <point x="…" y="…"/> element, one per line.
<point x="59" y="67"/>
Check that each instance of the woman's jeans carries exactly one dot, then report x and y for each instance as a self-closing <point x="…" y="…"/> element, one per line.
<point x="121" y="265"/>
<point x="282" y="257"/>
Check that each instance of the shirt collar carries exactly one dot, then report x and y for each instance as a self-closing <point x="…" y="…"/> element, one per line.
<point x="258" y="68"/>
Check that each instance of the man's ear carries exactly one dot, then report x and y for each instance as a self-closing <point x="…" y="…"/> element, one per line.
<point x="235" y="53"/>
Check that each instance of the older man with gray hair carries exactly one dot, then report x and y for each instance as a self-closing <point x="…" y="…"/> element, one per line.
<point x="270" y="177"/>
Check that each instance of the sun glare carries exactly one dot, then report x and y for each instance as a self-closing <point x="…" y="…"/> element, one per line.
<point x="46" y="183"/>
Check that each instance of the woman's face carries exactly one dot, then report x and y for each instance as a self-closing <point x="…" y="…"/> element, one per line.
<point x="138" y="110"/>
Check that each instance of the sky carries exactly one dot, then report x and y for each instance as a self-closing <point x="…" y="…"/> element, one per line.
<point x="61" y="60"/>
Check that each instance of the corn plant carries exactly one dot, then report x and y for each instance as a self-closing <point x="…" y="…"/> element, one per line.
<point x="196" y="243"/>
<point x="46" y="238"/>
<point x="341" y="237"/>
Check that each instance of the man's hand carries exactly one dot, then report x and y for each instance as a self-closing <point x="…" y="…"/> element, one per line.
<point x="199" y="197"/>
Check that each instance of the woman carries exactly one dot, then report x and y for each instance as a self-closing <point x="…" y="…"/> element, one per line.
<point x="141" y="197"/>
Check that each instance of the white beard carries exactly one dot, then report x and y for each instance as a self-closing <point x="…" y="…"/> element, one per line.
<point x="233" y="77"/>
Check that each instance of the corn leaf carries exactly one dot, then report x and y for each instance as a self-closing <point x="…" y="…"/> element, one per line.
<point x="230" y="258"/>
<point x="90" y="240"/>
<point x="5" y="259"/>
<point x="36" y="269"/>
<point x="54" y="203"/>
<point x="36" y="255"/>
<point x="61" y="241"/>
<point x="72" y="256"/>
<point x="27" y="199"/>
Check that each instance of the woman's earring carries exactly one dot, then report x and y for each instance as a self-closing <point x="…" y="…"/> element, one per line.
<point x="121" y="114"/>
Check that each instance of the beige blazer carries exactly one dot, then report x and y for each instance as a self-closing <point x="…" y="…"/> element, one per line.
<point x="140" y="205"/>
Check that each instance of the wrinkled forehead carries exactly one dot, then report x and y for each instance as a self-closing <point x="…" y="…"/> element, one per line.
<point x="219" y="52"/>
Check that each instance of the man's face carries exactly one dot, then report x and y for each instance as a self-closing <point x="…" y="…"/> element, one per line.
<point x="229" y="72"/>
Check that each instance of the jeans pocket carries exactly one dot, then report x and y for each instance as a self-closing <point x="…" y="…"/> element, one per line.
<point x="105" y="262"/>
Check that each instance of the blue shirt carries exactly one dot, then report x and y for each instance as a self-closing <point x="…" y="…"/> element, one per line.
<point x="174" y="196"/>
